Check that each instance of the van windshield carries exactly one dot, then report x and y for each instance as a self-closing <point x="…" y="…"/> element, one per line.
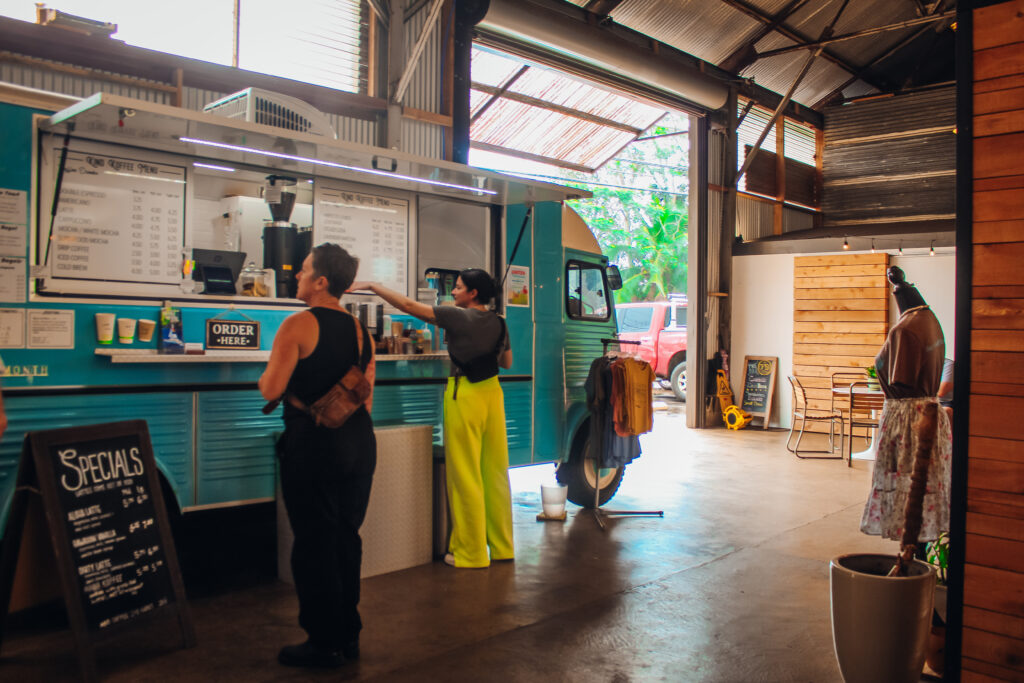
<point x="634" y="319"/>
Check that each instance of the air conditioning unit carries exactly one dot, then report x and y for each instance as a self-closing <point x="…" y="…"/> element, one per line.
<point x="272" y="109"/>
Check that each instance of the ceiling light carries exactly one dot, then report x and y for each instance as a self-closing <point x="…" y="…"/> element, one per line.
<point x="331" y="164"/>
<point x="846" y="244"/>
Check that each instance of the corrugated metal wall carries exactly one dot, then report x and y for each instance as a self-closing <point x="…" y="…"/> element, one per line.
<point x="424" y="139"/>
<point x="891" y="160"/>
<point x="42" y="78"/>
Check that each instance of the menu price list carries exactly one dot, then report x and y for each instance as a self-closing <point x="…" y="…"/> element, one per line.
<point x="111" y="524"/>
<point x="372" y="228"/>
<point x="119" y="219"/>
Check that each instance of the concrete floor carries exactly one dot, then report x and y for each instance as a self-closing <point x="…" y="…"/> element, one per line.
<point x="731" y="586"/>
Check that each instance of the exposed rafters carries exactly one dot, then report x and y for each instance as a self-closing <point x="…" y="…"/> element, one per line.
<point x="755" y="13"/>
<point x="602" y="8"/>
<point x="568" y="111"/>
<point x="508" y="151"/>
<point x="745" y="54"/>
<point x="501" y="91"/>
<point x="859" y="34"/>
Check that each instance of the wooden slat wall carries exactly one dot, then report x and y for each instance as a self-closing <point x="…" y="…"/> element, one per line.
<point x="993" y="632"/>
<point x="840" y="319"/>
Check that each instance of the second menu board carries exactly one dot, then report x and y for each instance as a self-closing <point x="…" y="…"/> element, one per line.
<point x="372" y="228"/>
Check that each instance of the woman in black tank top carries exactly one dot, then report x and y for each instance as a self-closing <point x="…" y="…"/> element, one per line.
<point x="326" y="474"/>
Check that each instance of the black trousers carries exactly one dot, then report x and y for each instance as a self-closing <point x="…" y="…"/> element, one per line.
<point x="326" y="475"/>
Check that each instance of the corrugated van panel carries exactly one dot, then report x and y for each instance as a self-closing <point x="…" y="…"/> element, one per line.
<point x="519" y="421"/>
<point x="169" y="417"/>
<point x="236" y="447"/>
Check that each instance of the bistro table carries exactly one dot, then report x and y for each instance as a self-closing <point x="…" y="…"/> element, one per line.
<point x="861" y="396"/>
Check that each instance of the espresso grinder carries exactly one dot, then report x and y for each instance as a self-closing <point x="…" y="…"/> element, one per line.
<point x="279" y="235"/>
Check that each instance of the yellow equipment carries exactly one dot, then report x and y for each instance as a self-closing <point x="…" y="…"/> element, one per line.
<point x="733" y="416"/>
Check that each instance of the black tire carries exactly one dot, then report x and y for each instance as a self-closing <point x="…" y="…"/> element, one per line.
<point x="578" y="474"/>
<point x="678" y="381"/>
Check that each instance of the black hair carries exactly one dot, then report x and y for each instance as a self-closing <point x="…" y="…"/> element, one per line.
<point x="335" y="264"/>
<point x="480" y="280"/>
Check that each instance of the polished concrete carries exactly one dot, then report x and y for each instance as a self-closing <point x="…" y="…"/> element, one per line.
<point x="731" y="585"/>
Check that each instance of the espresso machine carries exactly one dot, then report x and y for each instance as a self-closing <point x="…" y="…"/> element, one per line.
<point x="279" y="234"/>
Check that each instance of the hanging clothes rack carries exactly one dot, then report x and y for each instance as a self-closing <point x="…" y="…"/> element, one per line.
<point x="599" y="512"/>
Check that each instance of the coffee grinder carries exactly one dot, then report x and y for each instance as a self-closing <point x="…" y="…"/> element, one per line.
<point x="279" y="235"/>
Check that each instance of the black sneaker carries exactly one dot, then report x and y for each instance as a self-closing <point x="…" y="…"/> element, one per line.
<point x="309" y="655"/>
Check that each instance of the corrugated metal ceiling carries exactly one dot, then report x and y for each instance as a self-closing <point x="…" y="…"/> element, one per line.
<point x="714" y="29"/>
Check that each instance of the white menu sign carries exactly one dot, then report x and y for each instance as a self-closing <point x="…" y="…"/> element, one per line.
<point x="119" y="219"/>
<point x="374" y="229"/>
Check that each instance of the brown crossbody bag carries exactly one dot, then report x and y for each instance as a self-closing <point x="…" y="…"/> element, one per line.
<point x="344" y="398"/>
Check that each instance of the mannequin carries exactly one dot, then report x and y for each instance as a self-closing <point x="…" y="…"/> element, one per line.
<point x="909" y="364"/>
<point x="909" y="369"/>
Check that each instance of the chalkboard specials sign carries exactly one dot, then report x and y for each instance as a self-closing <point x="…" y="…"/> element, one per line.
<point x="233" y="334"/>
<point x="759" y="374"/>
<point x="109" y="530"/>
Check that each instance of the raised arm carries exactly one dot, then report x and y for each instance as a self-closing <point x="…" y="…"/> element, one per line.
<point x="399" y="301"/>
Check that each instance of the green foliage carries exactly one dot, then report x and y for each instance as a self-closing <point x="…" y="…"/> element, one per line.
<point x="872" y="373"/>
<point x="644" y="232"/>
<point x="938" y="555"/>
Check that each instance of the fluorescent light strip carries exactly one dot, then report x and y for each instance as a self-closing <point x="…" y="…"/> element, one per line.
<point x="215" y="168"/>
<point x="145" y="177"/>
<point x="321" y="162"/>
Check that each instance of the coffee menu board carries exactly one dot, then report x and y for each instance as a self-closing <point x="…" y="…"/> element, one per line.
<point x="375" y="229"/>
<point x="759" y="374"/>
<point x="118" y="219"/>
<point x="108" y="527"/>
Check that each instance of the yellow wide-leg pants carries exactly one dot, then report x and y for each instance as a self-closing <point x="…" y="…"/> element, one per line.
<point x="476" y="459"/>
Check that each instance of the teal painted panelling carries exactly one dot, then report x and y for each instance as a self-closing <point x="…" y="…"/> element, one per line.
<point x="518" y="420"/>
<point x="549" y="393"/>
<point x="169" y="417"/>
<point x="236" y="447"/>
<point x="520" y="319"/>
<point x="407" y="405"/>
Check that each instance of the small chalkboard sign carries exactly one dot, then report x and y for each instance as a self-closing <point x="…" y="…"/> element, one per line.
<point x="109" y="530"/>
<point x="759" y="374"/>
<point x="233" y="334"/>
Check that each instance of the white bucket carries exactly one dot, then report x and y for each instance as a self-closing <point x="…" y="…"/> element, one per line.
<point x="552" y="499"/>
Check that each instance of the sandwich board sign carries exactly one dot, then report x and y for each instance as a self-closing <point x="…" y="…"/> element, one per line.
<point x="108" y="526"/>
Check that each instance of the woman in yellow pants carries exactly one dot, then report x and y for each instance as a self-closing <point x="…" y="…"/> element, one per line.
<point x="476" y="442"/>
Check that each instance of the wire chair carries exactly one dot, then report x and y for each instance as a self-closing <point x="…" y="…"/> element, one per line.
<point x="803" y="414"/>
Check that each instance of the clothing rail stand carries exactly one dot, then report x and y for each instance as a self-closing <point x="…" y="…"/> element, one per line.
<point x="599" y="512"/>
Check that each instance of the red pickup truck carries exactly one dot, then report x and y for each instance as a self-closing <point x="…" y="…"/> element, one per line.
<point x="660" y="327"/>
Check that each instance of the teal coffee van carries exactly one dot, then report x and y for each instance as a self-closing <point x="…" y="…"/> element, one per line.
<point x="147" y="257"/>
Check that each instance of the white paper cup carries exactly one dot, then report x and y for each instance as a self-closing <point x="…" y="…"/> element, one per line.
<point x="126" y="330"/>
<point x="552" y="499"/>
<point x="146" y="329"/>
<point x="105" y="328"/>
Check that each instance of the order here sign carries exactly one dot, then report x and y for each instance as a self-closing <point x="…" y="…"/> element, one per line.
<point x="233" y="334"/>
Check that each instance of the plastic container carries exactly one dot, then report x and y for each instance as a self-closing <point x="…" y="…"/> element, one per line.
<point x="553" y="498"/>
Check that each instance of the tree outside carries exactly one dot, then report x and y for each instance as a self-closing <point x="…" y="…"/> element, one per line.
<point x="639" y="209"/>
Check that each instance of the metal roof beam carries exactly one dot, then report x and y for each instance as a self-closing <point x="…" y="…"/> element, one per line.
<point x="755" y="13"/>
<point x="501" y="91"/>
<point x="602" y="8"/>
<point x="859" y="34"/>
<point x="551" y="161"/>
<point x="550" y="106"/>
<point x="745" y="54"/>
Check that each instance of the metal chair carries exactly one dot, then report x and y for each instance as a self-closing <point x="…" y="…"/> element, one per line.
<point x="802" y="413"/>
<point x="841" y="382"/>
<point x="865" y="410"/>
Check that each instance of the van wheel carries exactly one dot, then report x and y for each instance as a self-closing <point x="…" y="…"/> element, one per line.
<point x="678" y="381"/>
<point x="579" y="476"/>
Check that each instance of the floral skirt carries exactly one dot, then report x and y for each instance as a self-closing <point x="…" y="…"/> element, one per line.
<point x="890" y="484"/>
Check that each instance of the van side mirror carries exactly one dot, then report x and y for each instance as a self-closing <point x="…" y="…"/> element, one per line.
<point x="614" y="278"/>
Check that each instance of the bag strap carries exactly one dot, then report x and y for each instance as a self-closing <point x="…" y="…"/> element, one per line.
<point x="364" y="351"/>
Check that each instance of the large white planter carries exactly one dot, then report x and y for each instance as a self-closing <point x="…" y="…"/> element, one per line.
<point x="880" y="624"/>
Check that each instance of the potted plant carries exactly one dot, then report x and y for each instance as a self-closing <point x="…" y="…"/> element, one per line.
<point x="873" y="374"/>
<point x="937" y="554"/>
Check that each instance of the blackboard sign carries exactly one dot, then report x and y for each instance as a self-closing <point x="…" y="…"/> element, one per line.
<point x="233" y="334"/>
<point x="109" y="529"/>
<point x="759" y="386"/>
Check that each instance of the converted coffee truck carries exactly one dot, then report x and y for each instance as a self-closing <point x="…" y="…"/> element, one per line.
<point x="126" y="227"/>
